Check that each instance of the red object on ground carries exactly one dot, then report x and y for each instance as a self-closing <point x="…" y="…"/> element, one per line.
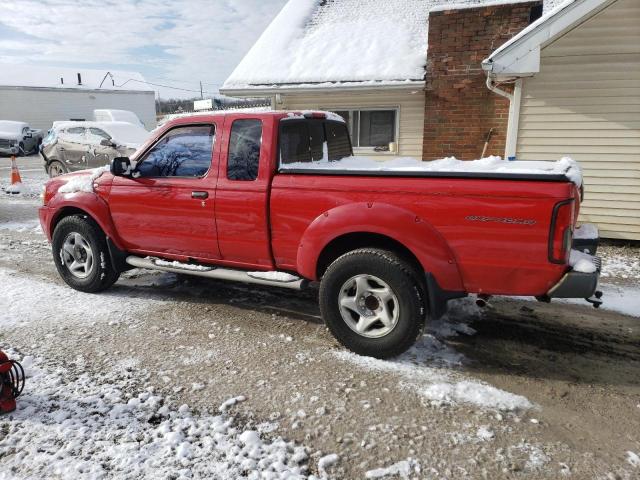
<point x="11" y="383"/>
<point x="15" y="173"/>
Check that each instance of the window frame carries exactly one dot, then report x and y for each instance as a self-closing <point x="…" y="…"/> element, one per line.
<point x="225" y="157"/>
<point x="140" y="158"/>
<point x="355" y="142"/>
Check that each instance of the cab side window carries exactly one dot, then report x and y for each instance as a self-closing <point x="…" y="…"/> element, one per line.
<point x="244" y="150"/>
<point x="181" y="152"/>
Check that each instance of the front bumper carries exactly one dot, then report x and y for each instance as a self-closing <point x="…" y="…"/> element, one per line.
<point x="9" y="150"/>
<point x="45" y="215"/>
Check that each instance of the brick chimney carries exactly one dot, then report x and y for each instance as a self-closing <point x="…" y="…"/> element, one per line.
<point x="459" y="109"/>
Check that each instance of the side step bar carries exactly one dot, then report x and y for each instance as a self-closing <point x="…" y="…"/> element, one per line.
<point x="294" y="283"/>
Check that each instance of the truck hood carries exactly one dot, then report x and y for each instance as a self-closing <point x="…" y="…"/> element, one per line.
<point x="10" y="136"/>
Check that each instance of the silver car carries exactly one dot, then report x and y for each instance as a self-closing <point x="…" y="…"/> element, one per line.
<point x="72" y="146"/>
<point x="18" y="138"/>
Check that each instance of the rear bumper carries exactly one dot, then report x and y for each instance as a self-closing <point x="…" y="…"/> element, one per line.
<point x="575" y="285"/>
<point x="578" y="284"/>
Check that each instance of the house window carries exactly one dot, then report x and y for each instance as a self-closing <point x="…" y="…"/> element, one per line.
<point x="373" y="129"/>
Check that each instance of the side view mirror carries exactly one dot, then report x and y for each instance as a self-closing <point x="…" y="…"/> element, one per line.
<point x="121" y="167"/>
<point x="106" y="143"/>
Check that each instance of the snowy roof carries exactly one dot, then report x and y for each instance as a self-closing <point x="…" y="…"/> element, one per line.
<point x="337" y="42"/>
<point x="23" y="75"/>
<point x="520" y="56"/>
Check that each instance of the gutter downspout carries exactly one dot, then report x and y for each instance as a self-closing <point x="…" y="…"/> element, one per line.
<point x="515" y="99"/>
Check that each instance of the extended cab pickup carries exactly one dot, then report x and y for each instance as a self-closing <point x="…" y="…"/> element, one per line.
<point x="261" y="198"/>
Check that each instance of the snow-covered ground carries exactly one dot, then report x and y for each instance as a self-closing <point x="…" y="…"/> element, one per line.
<point x="485" y="393"/>
<point x="74" y="425"/>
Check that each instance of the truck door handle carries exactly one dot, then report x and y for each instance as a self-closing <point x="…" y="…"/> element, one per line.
<point x="200" y="195"/>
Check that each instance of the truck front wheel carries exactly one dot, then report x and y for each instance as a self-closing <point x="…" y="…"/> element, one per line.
<point x="81" y="255"/>
<point x="371" y="302"/>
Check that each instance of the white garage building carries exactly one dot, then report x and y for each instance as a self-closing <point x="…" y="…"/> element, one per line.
<point x="41" y="95"/>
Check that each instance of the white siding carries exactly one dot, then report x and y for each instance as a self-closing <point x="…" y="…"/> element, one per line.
<point x="585" y="102"/>
<point x="410" y="104"/>
<point x="40" y="107"/>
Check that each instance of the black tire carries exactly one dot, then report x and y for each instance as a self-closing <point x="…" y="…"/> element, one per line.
<point x="400" y="277"/>
<point x="101" y="275"/>
<point x="58" y="166"/>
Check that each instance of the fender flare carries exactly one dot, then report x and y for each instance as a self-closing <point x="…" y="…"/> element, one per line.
<point x="401" y="225"/>
<point x="92" y="205"/>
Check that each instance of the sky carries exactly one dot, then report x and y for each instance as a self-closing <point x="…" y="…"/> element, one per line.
<point x="171" y="42"/>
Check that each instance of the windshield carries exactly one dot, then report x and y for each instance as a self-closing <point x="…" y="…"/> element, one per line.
<point x="11" y="127"/>
<point x="127" y="133"/>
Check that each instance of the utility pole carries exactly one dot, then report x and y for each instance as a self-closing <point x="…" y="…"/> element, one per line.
<point x="201" y="96"/>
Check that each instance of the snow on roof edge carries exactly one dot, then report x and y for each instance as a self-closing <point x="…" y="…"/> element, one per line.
<point x="461" y="6"/>
<point x="533" y="27"/>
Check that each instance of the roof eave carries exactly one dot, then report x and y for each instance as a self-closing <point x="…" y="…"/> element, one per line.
<point x="258" y="90"/>
<point x="520" y="56"/>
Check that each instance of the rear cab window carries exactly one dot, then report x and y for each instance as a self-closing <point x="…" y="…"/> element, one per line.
<point x="313" y="140"/>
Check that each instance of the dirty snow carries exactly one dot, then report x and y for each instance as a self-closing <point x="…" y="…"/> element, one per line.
<point x="581" y="262"/>
<point x="402" y="469"/>
<point x="633" y="459"/>
<point x="83" y="182"/>
<point x="565" y="166"/>
<point x="429" y="368"/>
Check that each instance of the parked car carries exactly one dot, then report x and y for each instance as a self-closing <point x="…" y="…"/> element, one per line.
<point x="72" y="146"/>
<point x="18" y="138"/>
<point x="113" y="115"/>
<point x="278" y="200"/>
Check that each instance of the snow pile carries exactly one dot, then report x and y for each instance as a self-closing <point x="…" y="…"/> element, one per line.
<point x="83" y="182"/>
<point x="565" y="166"/>
<point x="429" y="369"/>
<point x="582" y="262"/>
<point x="69" y="426"/>
<point x="586" y="231"/>
<point x="633" y="459"/>
<point x="402" y="469"/>
<point x="326" y="462"/>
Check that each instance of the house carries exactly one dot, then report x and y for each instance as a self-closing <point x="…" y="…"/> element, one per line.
<point x="365" y="59"/>
<point x="41" y="95"/>
<point x="409" y="78"/>
<point x="576" y="91"/>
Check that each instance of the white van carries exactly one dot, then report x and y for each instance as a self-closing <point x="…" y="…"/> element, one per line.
<point x="112" y="115"/>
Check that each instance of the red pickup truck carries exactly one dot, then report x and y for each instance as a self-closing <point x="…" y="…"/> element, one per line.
<point x="228" y="196"/>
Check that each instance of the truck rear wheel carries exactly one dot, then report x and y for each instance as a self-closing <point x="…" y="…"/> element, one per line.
<point x="81" y="255"/>
<point x="372" y="303"/>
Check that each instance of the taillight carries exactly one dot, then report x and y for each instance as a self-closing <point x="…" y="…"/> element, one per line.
<point x="561" y="232"/>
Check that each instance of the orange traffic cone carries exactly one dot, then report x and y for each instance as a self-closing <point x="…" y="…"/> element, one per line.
<point x="16" y="181"/>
